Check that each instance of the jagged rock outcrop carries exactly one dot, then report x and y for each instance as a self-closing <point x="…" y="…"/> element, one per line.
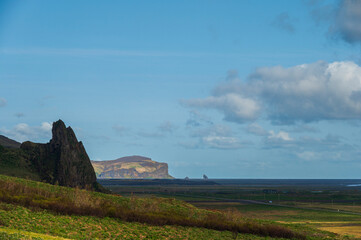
<point x="63" y="160"/>
<point x="131" y="167"/>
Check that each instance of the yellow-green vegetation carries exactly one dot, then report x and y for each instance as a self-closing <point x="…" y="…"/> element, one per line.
<point x="9" y="233"/>
<point x="131" y="167"/>
<point x="49" y="224"/>
<point x="98" y="169"/>
<point x="32" y="207"/>
<point x="334" y="208"/>
<point x="348" y="225"/>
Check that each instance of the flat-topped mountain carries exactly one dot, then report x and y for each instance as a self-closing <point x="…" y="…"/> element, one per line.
<point x="131" y="167"/>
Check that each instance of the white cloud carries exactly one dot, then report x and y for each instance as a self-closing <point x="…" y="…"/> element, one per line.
<point x="271" y="138"/>
<point x="310" y="92"/>
<point x="308" y="155"/>
<point x="279" y="140"/>
<point x="256" y="129"/>
<point x="235" y="107"/>
<point x="307" y="92"/>
<point x="309" y="148"/>
<point x="280" y="136"/>
<point x="221" y="142"/>
<point x="214" y="136"/>
<point x="3" y="102"/>
<point x="46" y="127"/>
<point x="23" y="132"/>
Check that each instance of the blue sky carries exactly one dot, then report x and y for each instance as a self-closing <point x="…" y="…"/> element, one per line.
<point x="232" y="89"/>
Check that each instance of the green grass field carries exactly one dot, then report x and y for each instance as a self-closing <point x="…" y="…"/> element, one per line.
<point x="321" y="212"/>
<point x="34" y="210"/>
<point x="86" y="227"/>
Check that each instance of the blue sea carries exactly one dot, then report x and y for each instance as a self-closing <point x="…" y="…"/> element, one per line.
<point x="320" y="183"/>
<point x="288" y="182"/>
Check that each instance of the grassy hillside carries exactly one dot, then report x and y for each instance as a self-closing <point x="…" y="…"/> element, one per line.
<point x="14" y="162"/>
<point x="29" y="208"/>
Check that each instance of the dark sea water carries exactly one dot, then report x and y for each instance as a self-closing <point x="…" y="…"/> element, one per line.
<point x="327" y="183"/>
<point x="283" y="182"/>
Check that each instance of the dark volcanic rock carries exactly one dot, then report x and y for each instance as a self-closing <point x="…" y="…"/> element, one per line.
<point x="9" y="143"/>
<point x="63" y="160"/>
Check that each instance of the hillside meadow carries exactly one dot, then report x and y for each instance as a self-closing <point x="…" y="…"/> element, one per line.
<point x="35" y="210"/>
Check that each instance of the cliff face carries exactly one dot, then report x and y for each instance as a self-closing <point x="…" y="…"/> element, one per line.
<point x="63" y="160"/>
<point x="131" y="167"/>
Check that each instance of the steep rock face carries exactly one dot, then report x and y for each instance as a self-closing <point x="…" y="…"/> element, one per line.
<point x="63" y="160"/>
<point x="131" y="167"/>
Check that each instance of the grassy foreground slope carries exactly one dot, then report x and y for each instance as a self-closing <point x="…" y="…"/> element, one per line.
<point x="29" y="207"/>
<point x="86" y="227"/>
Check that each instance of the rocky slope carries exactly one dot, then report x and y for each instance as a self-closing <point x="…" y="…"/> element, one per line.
<point x="131" y="167"/>
<point x="9" y="143"/>
<point x="62" y="161"/>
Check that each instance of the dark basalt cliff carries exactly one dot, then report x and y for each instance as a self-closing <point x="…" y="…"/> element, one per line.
<point x="63" y="160"/>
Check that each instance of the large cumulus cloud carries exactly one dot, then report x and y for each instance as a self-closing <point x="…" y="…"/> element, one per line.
<point x="309" y="92"/>
<point x="306" y="93"/>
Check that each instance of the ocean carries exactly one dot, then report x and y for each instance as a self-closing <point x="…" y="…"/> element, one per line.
<point x="337" y="183"/>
